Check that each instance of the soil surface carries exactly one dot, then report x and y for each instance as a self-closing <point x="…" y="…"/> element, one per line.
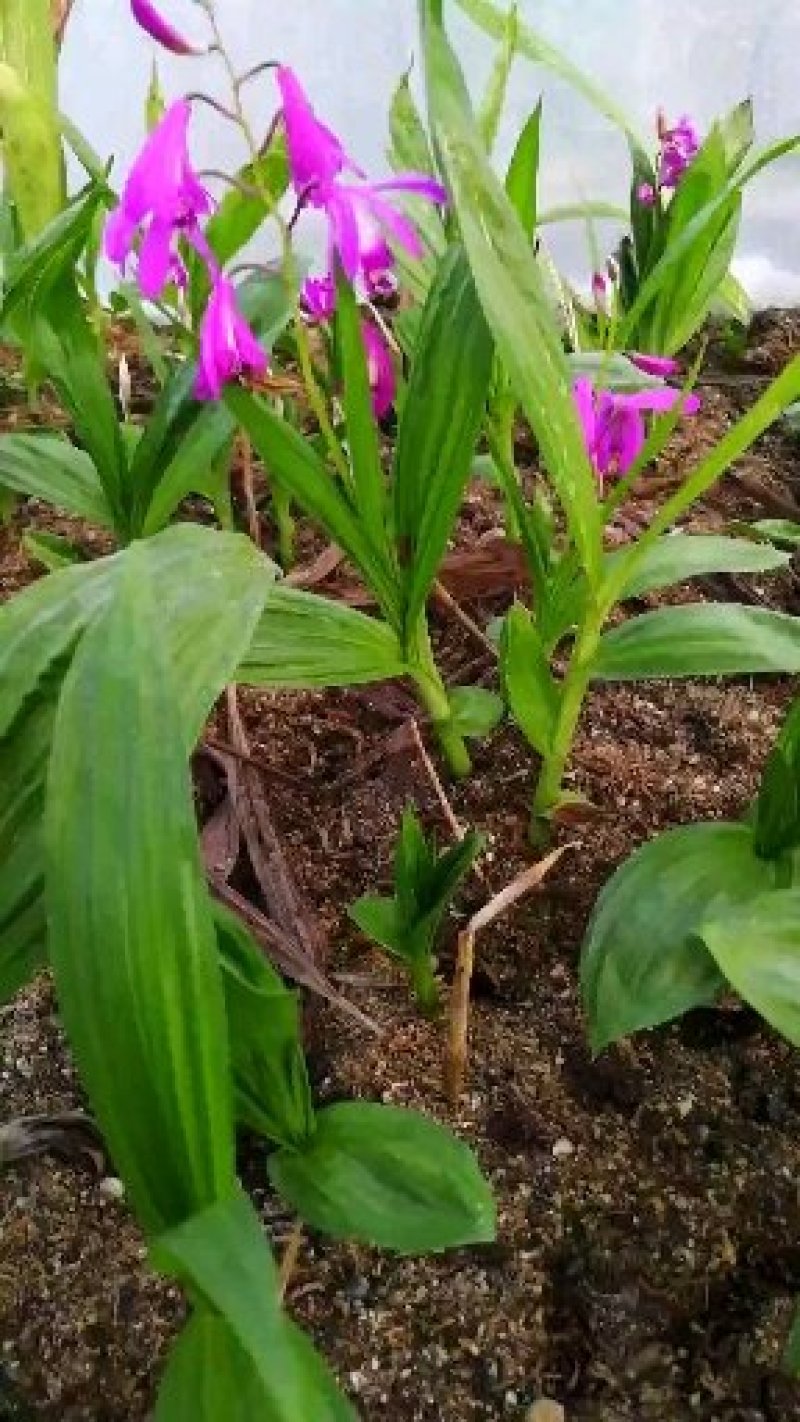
<point x="648" y="1253"/>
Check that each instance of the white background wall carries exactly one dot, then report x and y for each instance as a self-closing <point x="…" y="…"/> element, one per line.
<point x="696" y="55"/>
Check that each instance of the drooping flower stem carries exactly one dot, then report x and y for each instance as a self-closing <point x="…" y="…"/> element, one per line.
<point x="433" y="695"/>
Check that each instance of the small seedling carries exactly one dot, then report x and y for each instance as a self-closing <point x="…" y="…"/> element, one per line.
<point x="407" y="923"/>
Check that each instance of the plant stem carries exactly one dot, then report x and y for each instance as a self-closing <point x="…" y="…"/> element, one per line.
<point x="573" y="695"/>
<point x="433" y="695"/>
<point x="425" y="987"/>
<point x="284" y="522"/>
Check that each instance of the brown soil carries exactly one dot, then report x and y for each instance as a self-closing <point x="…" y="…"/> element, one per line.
<point x="647" y="1258"/>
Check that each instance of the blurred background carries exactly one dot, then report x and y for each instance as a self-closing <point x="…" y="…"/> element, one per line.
<point x="350" y="53"/>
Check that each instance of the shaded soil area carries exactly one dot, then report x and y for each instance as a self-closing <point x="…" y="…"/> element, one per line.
<point x="647" y="1258"/>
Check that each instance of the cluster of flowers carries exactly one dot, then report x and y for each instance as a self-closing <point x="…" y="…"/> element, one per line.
<point x="679" y="146"/>
<point x="164" y="204"/>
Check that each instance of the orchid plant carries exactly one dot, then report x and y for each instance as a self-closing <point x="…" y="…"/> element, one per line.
<point x="593" y="445"/>
<point x="703" y="910"/>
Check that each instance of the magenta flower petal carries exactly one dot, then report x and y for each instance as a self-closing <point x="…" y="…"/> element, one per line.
<point x="228" y="347"/>
<point x="614" y="426"/>
<point x="659" y="366"/>
<point x="316" y="157"/>
<point x="318" y="296"/>
<point x="162" y="201"/>
<point x="646" y="195"/>
<point x="148" y="17"/>
<point x="416" y="185"/>
<point x="380" y="369"/>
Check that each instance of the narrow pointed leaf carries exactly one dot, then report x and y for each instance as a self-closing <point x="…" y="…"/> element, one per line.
<point x="50" y="468"/>
<point x="700" y="640"/>
<point x="304" y="640"/>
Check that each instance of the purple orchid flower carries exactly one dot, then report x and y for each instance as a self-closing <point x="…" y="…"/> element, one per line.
<point x="361" y="217"/>
<point x="660" y="366"/>
<point x="153" y="23"/>
<point x="228" y="347"/>
<point x="646" y="195"/>
<point x="614" y="425"/>
<point x="318" y="297"/>
<point x="162" y="200"/>
<point x="380" y="369"/>
<point x="680" y="146"/>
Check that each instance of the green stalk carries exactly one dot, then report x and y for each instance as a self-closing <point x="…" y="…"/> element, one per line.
<point x="284" y="522"/>
<point x="433" y="695"/>
<point x="574" y="690"/>
<point x="32" y="153"/>
<point x="425" y="986"/>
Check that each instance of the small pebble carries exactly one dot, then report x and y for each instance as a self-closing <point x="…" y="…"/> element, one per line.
<point x="563" y="1148"/>
<point x="111" y="1188"/>
<point x="546" y="1410"/>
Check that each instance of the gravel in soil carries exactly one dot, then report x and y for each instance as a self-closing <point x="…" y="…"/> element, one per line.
<point x="647" y="1258"/>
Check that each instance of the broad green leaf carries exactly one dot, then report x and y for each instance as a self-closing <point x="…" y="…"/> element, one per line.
<point x="757" y="948"/>
<point x="476" y="711"/>
<point x="389" y="1177"/>
<point x="530" y="690"/>
<point x="131" y="937"/>
<point x="55" y="249"/>
<point x="210" y="1377"/>
<point x="440" y="424"/>
<point x="306" y="478"/>
<point x="490" y="17"/>
<point x="222" y="1256"/>
<point x="369" y="489"/>
<point x="494" y="100"/>
<point x="271" y="1086"/>
<point x="24" y="754"/>
<point x="50" y="468"/>
<point x="777" y="822"/>
<point x="522" y="179"/>
<point x="700" y="640"/>
<point x="738" y="133"/>
<point x="643" y="961"/>
<point x="609" y="370"/>
<point x="378" y="918"/>
<point x="304" y="640"/>
<point x="679" y="556"/>
<point x="512" y="292"/>
<point x="732" y="300"/>
<point x="211" y="587"/>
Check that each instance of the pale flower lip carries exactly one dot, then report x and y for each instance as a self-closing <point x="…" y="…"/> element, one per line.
<point x="153" y="23"/>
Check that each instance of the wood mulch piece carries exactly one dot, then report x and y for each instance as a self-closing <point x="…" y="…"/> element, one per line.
<point x="647" y="1258"/>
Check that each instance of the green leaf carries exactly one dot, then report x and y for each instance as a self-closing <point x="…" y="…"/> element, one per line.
<point x="530" y="690"/>
<point x="609" y="370"/>
<point x="491" y="18"/>
<point x="513" y="294"/>
<point x="222" y="1256"/>
<point x="440" y="424"/>
<point x="476" y="711"/>
<point x="193" y="468"/>
<point x="777" y="823"/>
<point x="779" y="530"/>
<point x="52" y="551"/>
<point x="757" y="948"/>
<point x="643" y="961"/>
<point x="212" y="587"/>
<point x="24" y="754"/>
<point x="379" y="919"/>
<point x="241" y="213"/>
<point x="131" y="939"/>
<point x="388" y="1177"/>
<point x="273" y="1095"/>
<point x="494" y="100"/>
<point x="50" y="468"/>
<point x="210" y="1377"/>
<point x="410" y="151"/>
<point x="522" y="179"/>
<point x="700" y="640"/>
<point x="305" y="477"/>
<point x="304" y="640"/>
<point x="679" y="556"/>
<point x="732" y="300"/>
<point x="369" y="490"/>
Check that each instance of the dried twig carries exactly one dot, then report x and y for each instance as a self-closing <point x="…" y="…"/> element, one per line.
<point x="317" y="572"/>
<point x="454" y="825"/>
<point x="446" y="599"/>
<point x="248" y="491"/>
<point x="291" y="1255"/>
<point x="455" y="1066"/>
